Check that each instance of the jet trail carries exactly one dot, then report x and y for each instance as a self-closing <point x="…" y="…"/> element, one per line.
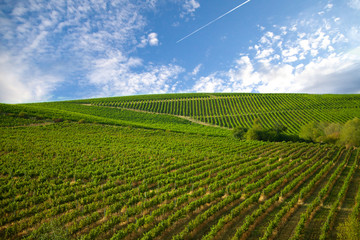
<point x="211" y="22"/>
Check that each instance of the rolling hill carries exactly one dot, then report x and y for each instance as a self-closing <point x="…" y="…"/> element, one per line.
<point x="167" y="167"/>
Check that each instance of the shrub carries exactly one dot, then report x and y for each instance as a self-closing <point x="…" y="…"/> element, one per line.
<point x="311" y="131"/>
<point x="239" y="132"/>
<point x="350" y="133"/>
<point x="253" y="134"/>
<point x="324" y="132"/>
<point x="321" y="132"/>
<point x="257" y="132"/>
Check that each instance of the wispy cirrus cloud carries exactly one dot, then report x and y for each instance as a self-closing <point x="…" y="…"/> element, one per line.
<point x="313" y="55"/>
<point x="196" y="70"/>
<point x="57" y="38"/>
<point x="354" y="4"/>
<point x="21" y="83"/>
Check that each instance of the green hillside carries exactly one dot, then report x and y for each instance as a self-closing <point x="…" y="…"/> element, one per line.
<point x="167" y="167"/>
<point x="231" y="110"/>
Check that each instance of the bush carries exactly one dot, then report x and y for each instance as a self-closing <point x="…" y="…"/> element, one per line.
<point x="257" y="132"/>
<point x="350" y="133"/>
<point x="239" y="132"/>
<point x="333" y="133"/>
<point x="253" y="134"/>
<point x="311" y="131"/>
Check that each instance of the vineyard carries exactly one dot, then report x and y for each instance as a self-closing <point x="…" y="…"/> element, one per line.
<point x="231" y="110"/>
<point x="167" y="167"/>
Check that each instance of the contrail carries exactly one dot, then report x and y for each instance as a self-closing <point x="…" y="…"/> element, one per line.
<point x="242" y="4"/>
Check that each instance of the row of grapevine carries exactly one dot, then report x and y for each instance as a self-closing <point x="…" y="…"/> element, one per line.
<point x="104" y="182"/>
<point x="292" y="111"/>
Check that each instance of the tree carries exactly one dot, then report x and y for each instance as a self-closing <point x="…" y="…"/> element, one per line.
<point x="332" y="133"/>
<point x="335" y="133"/>
<point x="279" y="128"/>
<point x="350" y="133"/>
<point x="311" y="131"/>
<point x="321" y="132"/>
<point x="254" y="133"/>
<point x="239" y="132"/>
<point x="257" y="132"/>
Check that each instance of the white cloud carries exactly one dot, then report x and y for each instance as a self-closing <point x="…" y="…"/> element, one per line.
<point x="189" y="8"/>
<point x="305" y="44"/>
<point x="290" y="59"/>
<point x="211" y="83"/>
<point x="22" y="82"/>
<point x="264" y="53"/>
<point x="153" y="40"/>
<point x="151" y="3"/>
<point x="290" y="52"/>
<point x="334" y="74"/>
<point x="329" y="6"/>
<point x="196" y="69"/>
<point x="354" y="4"/>
<point x="307" y="60"/>
<point x="114" y="75"/>
<point x="49" y="35"/>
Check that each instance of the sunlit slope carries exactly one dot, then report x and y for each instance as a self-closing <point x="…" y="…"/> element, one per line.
<point x="91" y="181"/>
<point x="231" y="110"/>
<point x="67" y="111"/>
<point x="148" y="170"/>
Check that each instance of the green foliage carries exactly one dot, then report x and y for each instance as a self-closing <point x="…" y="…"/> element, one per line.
<point x="253" y="134"/>
<point x="333" y="133"/>
<point x="52" y="230"/>
<point x="94" y="178"/>
<point x="155" y="172"/>
<point x="81" y="121"/>
<point x="22" y="115"/>
<point x="257" y="132"/>
<point x="311" y="131"/>
<point x="239" y="132"/>
<point x="240" y="109"/>
<point x="349" y="230"/>
<point x="350" y="133"/>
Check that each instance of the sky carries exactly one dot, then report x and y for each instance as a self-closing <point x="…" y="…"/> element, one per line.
<point x="53" y="50"/>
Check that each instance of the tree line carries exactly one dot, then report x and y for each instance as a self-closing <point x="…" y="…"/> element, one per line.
<point x="347" y="134"/>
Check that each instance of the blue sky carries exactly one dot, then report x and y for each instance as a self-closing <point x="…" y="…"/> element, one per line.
<point x="59" y="50"/>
